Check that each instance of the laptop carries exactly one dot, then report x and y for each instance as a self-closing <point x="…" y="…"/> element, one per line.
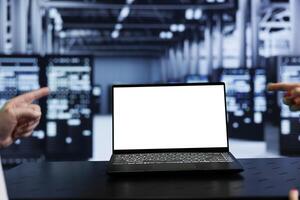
<point x="170" y="128"/>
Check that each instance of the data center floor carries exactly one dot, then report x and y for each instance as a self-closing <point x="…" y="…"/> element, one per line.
<point x="102" y="148"/>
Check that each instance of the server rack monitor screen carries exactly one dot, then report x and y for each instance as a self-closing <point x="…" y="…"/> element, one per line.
<point x="288" y="70"/>
<point x="260" y="101"/>
<point x="245" y="102"/>
<point x="20" y="74"/>
<point x="65" y="130"/>
<point x="238" y="88"/>
<point x="69" y="114"/>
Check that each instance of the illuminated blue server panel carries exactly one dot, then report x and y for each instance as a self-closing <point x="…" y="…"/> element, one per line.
<point x="260" y="98"/>
<point x="196" y="78"/>
<point x="246" y="102"/>
<point x="288" y="71"/>
<point x="20" y="74"/>
<point x="69" y="107"/>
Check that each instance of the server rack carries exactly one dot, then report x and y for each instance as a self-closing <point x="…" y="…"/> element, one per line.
<point x="288" y="70"/>
<point x="20" y="74"/>
<point x="246" y="101"/>
<point x="69" y="113"/>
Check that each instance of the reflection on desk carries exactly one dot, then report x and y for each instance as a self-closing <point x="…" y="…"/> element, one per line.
<point x="262" y="178"/>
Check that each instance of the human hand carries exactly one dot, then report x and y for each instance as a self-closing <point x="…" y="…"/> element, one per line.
<point x="293" y="194"/>
<point x="291" y="96"/>
<point x="19" y="116"/>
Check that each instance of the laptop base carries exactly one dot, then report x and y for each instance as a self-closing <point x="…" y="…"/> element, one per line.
<point x="201" y="167"/>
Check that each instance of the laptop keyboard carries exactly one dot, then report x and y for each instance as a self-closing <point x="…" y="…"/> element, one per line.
<point x="156" y="158"/>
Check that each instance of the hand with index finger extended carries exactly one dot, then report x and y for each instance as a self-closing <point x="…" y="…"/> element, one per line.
<point x="19" y="117"/>
<point x="29" y="97"/>
<point x="292" y="93"/>
<point x="282" y="86"/>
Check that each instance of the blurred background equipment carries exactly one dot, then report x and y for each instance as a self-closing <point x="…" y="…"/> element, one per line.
<point x="19" y="74"/>
<point x="65" y="130"/>
<point x="82" y="47"/>
<point x="288" y="70"/>
<point x="68" y="108"/>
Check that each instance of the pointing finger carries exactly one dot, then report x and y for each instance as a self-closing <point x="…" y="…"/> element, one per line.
<point x="31" y="96"/>
<point x="282" y="86"/>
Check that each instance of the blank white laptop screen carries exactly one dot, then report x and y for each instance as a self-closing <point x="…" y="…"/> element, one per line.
<point x="169" y="117"/>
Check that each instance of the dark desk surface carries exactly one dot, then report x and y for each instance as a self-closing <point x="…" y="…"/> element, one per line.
<point x="262" y="178"/>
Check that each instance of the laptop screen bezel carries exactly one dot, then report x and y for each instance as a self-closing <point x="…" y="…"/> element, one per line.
<point x="212" y="149"/>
